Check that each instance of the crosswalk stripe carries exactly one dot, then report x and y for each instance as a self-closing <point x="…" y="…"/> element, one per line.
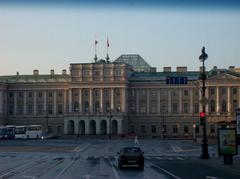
<point x="180" y="158"/>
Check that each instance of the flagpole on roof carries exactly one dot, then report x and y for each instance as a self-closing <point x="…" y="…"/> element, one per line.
<point x="95" y="57"/>
<point x="107" y="58"/>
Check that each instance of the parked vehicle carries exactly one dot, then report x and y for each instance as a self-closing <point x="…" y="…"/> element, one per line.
<point x="20" y="132"/>
<point x="28" y="132"/>
<point x="131" y="156"/>
<point x="3" y="132"/>
<point x="10" y="131"/>
<point x="34" y="132"/>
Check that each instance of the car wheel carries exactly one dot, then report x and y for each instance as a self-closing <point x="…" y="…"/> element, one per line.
<point x="141" y="166"/>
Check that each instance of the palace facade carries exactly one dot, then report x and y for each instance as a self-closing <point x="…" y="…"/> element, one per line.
<point x="119" y="98"/>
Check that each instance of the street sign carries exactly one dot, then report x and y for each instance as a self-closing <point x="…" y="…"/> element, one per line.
<point x="176" y="80"/>
<point x="227" y="141"/>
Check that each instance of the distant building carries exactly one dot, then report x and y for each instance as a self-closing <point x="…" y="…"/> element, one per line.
<point x="112" y="98"/>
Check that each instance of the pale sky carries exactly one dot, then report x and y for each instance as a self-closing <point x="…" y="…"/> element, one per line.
<point x="49" y="37"/>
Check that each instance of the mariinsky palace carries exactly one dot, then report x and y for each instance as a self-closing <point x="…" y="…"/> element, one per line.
<point x="123" y="97"/>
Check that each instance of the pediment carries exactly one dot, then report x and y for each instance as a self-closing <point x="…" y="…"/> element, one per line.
<point x="223" y="76"/>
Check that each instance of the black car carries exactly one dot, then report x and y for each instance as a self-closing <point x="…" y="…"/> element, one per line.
<point x="131" y="156"/>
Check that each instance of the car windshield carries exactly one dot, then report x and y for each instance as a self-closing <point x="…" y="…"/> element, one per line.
<point x="135" y="149"/>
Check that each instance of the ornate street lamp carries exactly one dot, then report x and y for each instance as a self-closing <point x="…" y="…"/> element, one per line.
<point x="204" y="154"/>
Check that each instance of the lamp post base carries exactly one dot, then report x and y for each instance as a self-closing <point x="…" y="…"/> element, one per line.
<point x="204" y="154"/>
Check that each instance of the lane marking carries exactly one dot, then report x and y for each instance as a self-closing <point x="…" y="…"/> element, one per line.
<point x="20" y="167"/>
<point x="114" y="170"/>
<point x="180" y="158"/>
<point x="70" y="163"/>
<point x="169" y="173"/>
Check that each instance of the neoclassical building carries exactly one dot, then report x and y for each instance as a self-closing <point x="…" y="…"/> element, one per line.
<point x="112" y="98"/>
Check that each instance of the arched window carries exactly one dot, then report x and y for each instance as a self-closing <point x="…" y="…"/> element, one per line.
<point x="212" y="106"/>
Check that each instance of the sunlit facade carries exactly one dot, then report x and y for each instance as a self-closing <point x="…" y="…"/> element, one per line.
<point x="105" y="98"/>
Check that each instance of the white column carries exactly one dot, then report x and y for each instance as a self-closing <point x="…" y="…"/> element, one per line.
<point x="229" y="101"/>
<point x="123" y="101"/>
<point x="15" y="102"/>
<point x="70" y="100"/>
<point x="65" y="101"/>
<point x="101" y="99"/>
<point x="137" y="100"/>
<point x="158" y="101"/>
<point x="45" y="102"/>
<point x="119" y="126"/>
<point x="148" y="101"/>
<point x="217" y="100"/>
<point x="180" y="101"/>
<point x="169" y="102"/>
<point x="34" y="103"/>
<point x="80" y="100"/>
<point x="54" y="102"/>
<point x="24" y="102"/>
<point x="1" y="102"/>
<point x="191" y="100"/>
<point x="91" y="99"/>
<point x="112" y="98"/>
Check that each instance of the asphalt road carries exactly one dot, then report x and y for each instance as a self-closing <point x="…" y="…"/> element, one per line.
<point x="95" y="158"/>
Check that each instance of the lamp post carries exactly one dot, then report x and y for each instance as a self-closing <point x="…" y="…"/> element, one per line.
<point x="204" y="154"/>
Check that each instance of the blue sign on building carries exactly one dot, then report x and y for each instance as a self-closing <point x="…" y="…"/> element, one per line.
<point x="176" y="80"/>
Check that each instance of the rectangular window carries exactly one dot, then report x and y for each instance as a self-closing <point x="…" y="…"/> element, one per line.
<point x="175" y="129"/>
<point x="185" y="107"/>
<point x="117" y="72"/>
<point x="185" y="129"/>
<point x="10" y="95"/>
<point x="154" y="129"/>
<point x="86" y="73"/>
<point x="60" y="94"/>
<point x="20" y="94"/>
<point x="234" y="91"/>
<point x="39" y="94"/>
<point x="142" y="109"/>
<point x="212" y="91"/>
<point x="30" y="94"/>
<point x="223" y="91"/>
<point x="212" y="129"/>
<point x="107" y="72"/>
<point x="50" y="94"/>
<point x="143" y="129"/>
<point x="185" y="92"/>
<point x="175" y="108"/>
<point x="60" y="108"/>
<point x="196" y="108"/>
